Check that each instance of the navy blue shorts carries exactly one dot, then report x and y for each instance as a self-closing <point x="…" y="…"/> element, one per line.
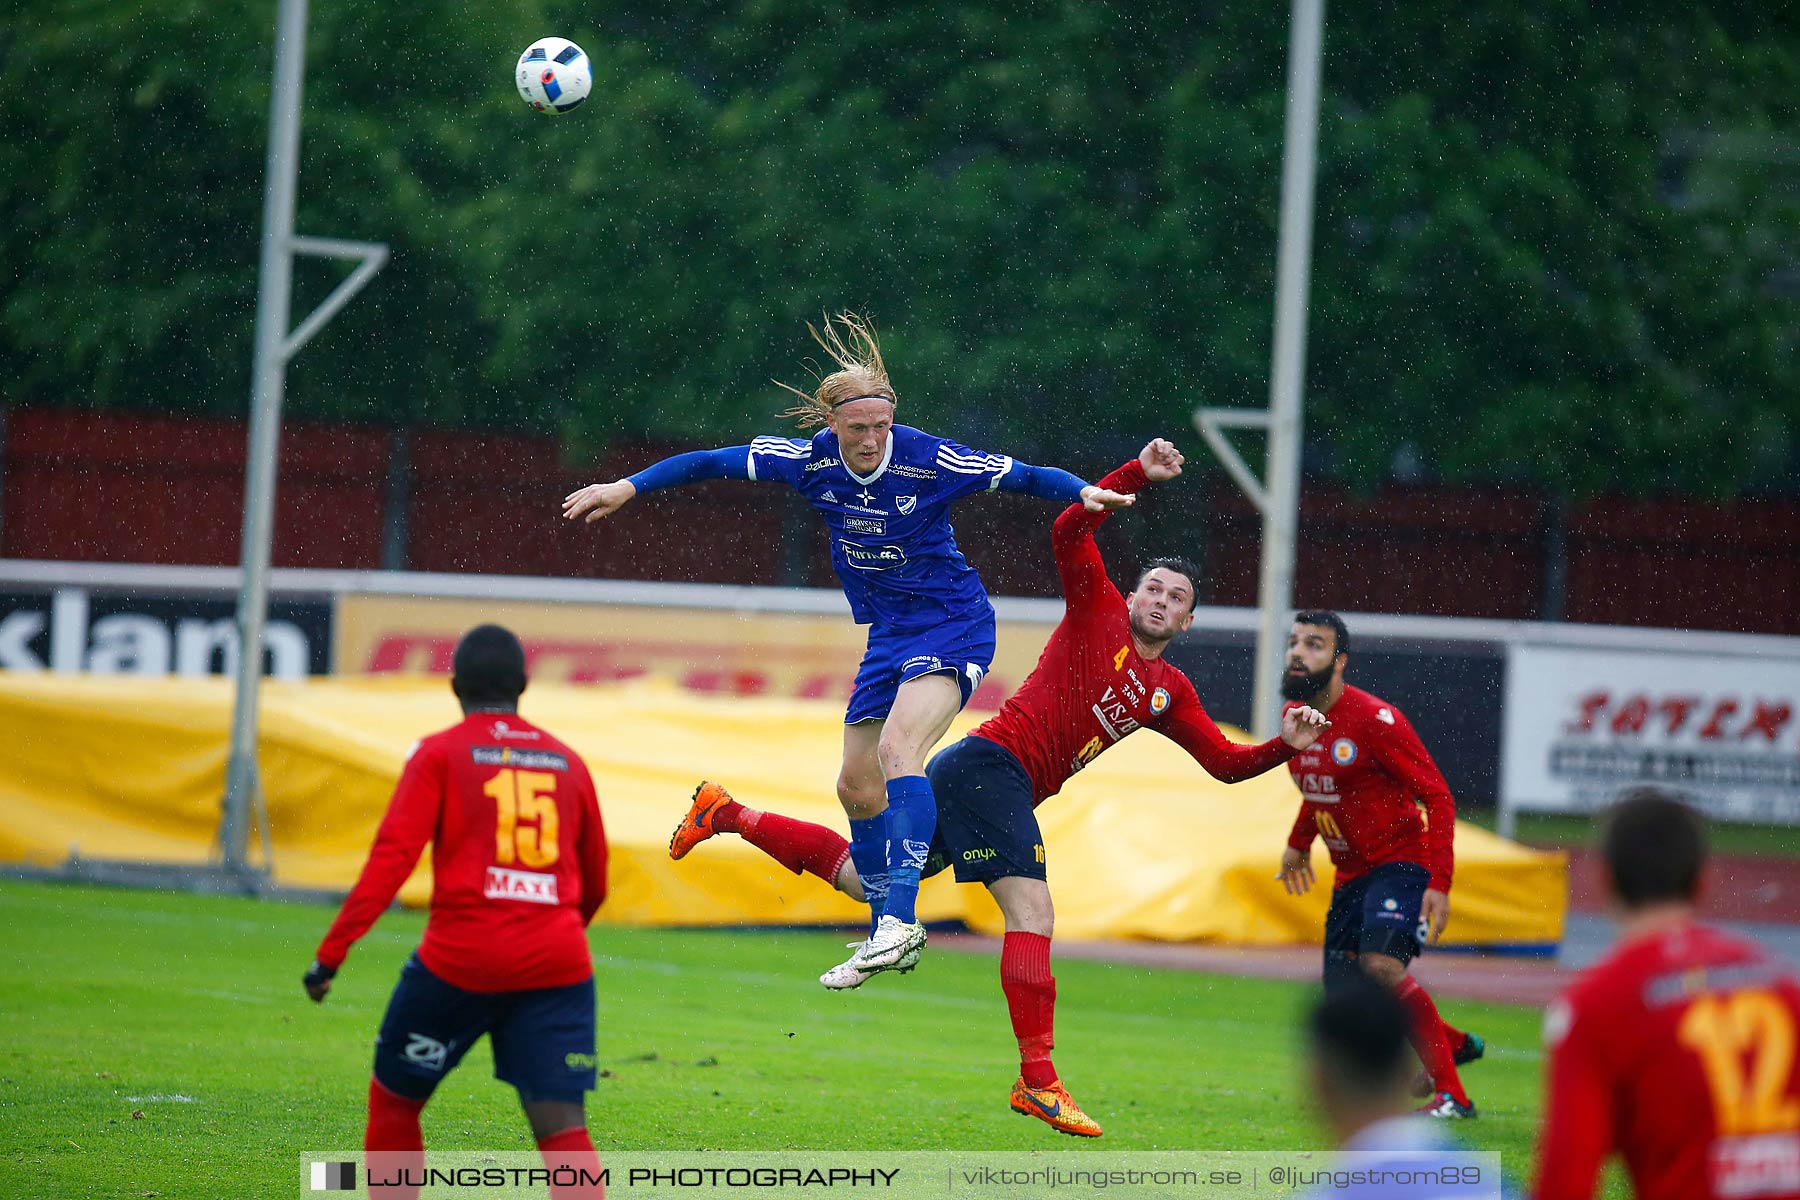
<point x="986" y="828"/>
<point x="543" y="1039"/>
<point x="1377" y="913"/>
<point x="964" y="649"/>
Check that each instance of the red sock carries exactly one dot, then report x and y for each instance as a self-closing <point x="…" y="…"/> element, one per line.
<point x="797" y="845"/>
<point x="1429" y="1040"/>
<point x="1031" y="999"/>
<point x="572" y="1153"/>
<point x="393" y="1144"/>
<point x="1456" y="1036"/>
<point x="726" y="817"/>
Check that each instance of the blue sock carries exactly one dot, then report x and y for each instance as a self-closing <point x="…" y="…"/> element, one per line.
<point x="911" y="821"/>
<point x="868" y="838"/>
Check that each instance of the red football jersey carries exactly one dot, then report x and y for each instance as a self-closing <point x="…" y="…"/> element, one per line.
<point x="518" y="857"/>
<point x="1360" y="782"/>
<point x="1677" y="1050"/>
<point x="1091" y="687"/>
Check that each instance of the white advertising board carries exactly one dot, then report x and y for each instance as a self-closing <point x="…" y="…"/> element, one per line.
<point x="1722" y="730"/>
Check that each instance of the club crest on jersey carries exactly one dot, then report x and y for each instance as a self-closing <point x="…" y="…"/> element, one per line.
<point x="1343" y="752"/>
<point x="1159" y="700"/>
<point x="906" y="504"/>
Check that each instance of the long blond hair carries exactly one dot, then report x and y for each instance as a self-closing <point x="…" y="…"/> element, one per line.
<point x="851" y="343"/>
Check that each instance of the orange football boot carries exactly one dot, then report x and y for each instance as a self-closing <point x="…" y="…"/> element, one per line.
<point x="1054" y="1107"/>
<point x="697" y="826"/>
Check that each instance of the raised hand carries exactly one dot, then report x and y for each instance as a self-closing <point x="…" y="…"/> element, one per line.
<point x="1162" y="461"/>
<point x="1301" y="727"/>
<point x="598" y="500"/>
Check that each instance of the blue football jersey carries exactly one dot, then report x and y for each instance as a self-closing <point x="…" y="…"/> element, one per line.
<point x="891" y="541"/>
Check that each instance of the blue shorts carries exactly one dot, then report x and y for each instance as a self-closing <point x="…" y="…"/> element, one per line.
<point x="1376" y="913"/>
<point x="964" y="649"/>
<point x="543" y="1039"/>
<point x="986" y="828"/>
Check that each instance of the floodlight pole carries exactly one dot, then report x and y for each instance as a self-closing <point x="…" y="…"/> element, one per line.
<point x="1279" y="499"/>
<point x="275" y="346"/>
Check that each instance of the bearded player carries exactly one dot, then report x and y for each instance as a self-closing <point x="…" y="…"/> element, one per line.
<point x="1101" y="677"/>
<point x="884" y="492"/>
<point x="1677" y="1050"/>
<point x="1361" y="792"/>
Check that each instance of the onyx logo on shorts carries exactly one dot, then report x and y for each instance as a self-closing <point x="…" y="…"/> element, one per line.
<point x="979" y="855"/>
<point x="872" y="558"/>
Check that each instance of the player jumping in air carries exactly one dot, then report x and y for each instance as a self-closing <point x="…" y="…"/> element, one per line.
<point x="1677" y="1050"/>
<point x="1102" y="676"/>
<point x="1392" y="892"/>
<point x="885" y="492"/>
<point x="518" y="863"/>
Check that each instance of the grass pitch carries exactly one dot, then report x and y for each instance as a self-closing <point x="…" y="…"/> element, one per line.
<point x="159" y="1045"/>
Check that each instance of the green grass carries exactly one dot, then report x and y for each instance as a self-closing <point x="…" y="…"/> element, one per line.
<point x="708" y="1040"/>
<point x="1559" y="830"/>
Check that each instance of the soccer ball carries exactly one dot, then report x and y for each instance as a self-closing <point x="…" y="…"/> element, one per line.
<point x="554" y="75"/>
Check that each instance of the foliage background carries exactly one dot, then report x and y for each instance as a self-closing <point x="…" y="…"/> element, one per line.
<point x="1555" y="242"/>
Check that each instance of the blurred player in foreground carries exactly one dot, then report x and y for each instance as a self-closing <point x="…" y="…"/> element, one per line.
<point x="1361" y="792"/>
<point x="1101" y="676"/>
<point x="1676" y="1050"/>
<point x="1359" y="1067"/>
<point x="518" y="858"/>
<point x="884" y="491"/>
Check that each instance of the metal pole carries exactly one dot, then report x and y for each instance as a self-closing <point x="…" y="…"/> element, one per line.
<point x="242" y="784"/>
<point x="1288" y="369"/>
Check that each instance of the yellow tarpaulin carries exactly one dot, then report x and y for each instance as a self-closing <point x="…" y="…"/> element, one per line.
<point x="1141" y="845"/>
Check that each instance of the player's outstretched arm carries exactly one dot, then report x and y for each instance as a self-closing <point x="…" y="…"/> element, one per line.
<point x="603" y="499"/>
<point x="598" y="500"/>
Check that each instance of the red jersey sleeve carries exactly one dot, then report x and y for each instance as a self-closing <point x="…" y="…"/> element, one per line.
<point x="591" y="848"/>
<point x="1578" y="1125"/>
<point x="1405" y="756"/>
<point x="1188" y="726"/>
<point x="411" y="819"/>
<point x="1084" y="580"/>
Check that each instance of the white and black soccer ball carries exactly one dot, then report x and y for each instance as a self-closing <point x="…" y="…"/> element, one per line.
<point x="554" y="75"/>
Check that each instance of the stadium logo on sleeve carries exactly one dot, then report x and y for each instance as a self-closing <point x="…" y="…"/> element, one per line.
<point x="1159" y="701"/>
<point x="1343" y="752"/>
